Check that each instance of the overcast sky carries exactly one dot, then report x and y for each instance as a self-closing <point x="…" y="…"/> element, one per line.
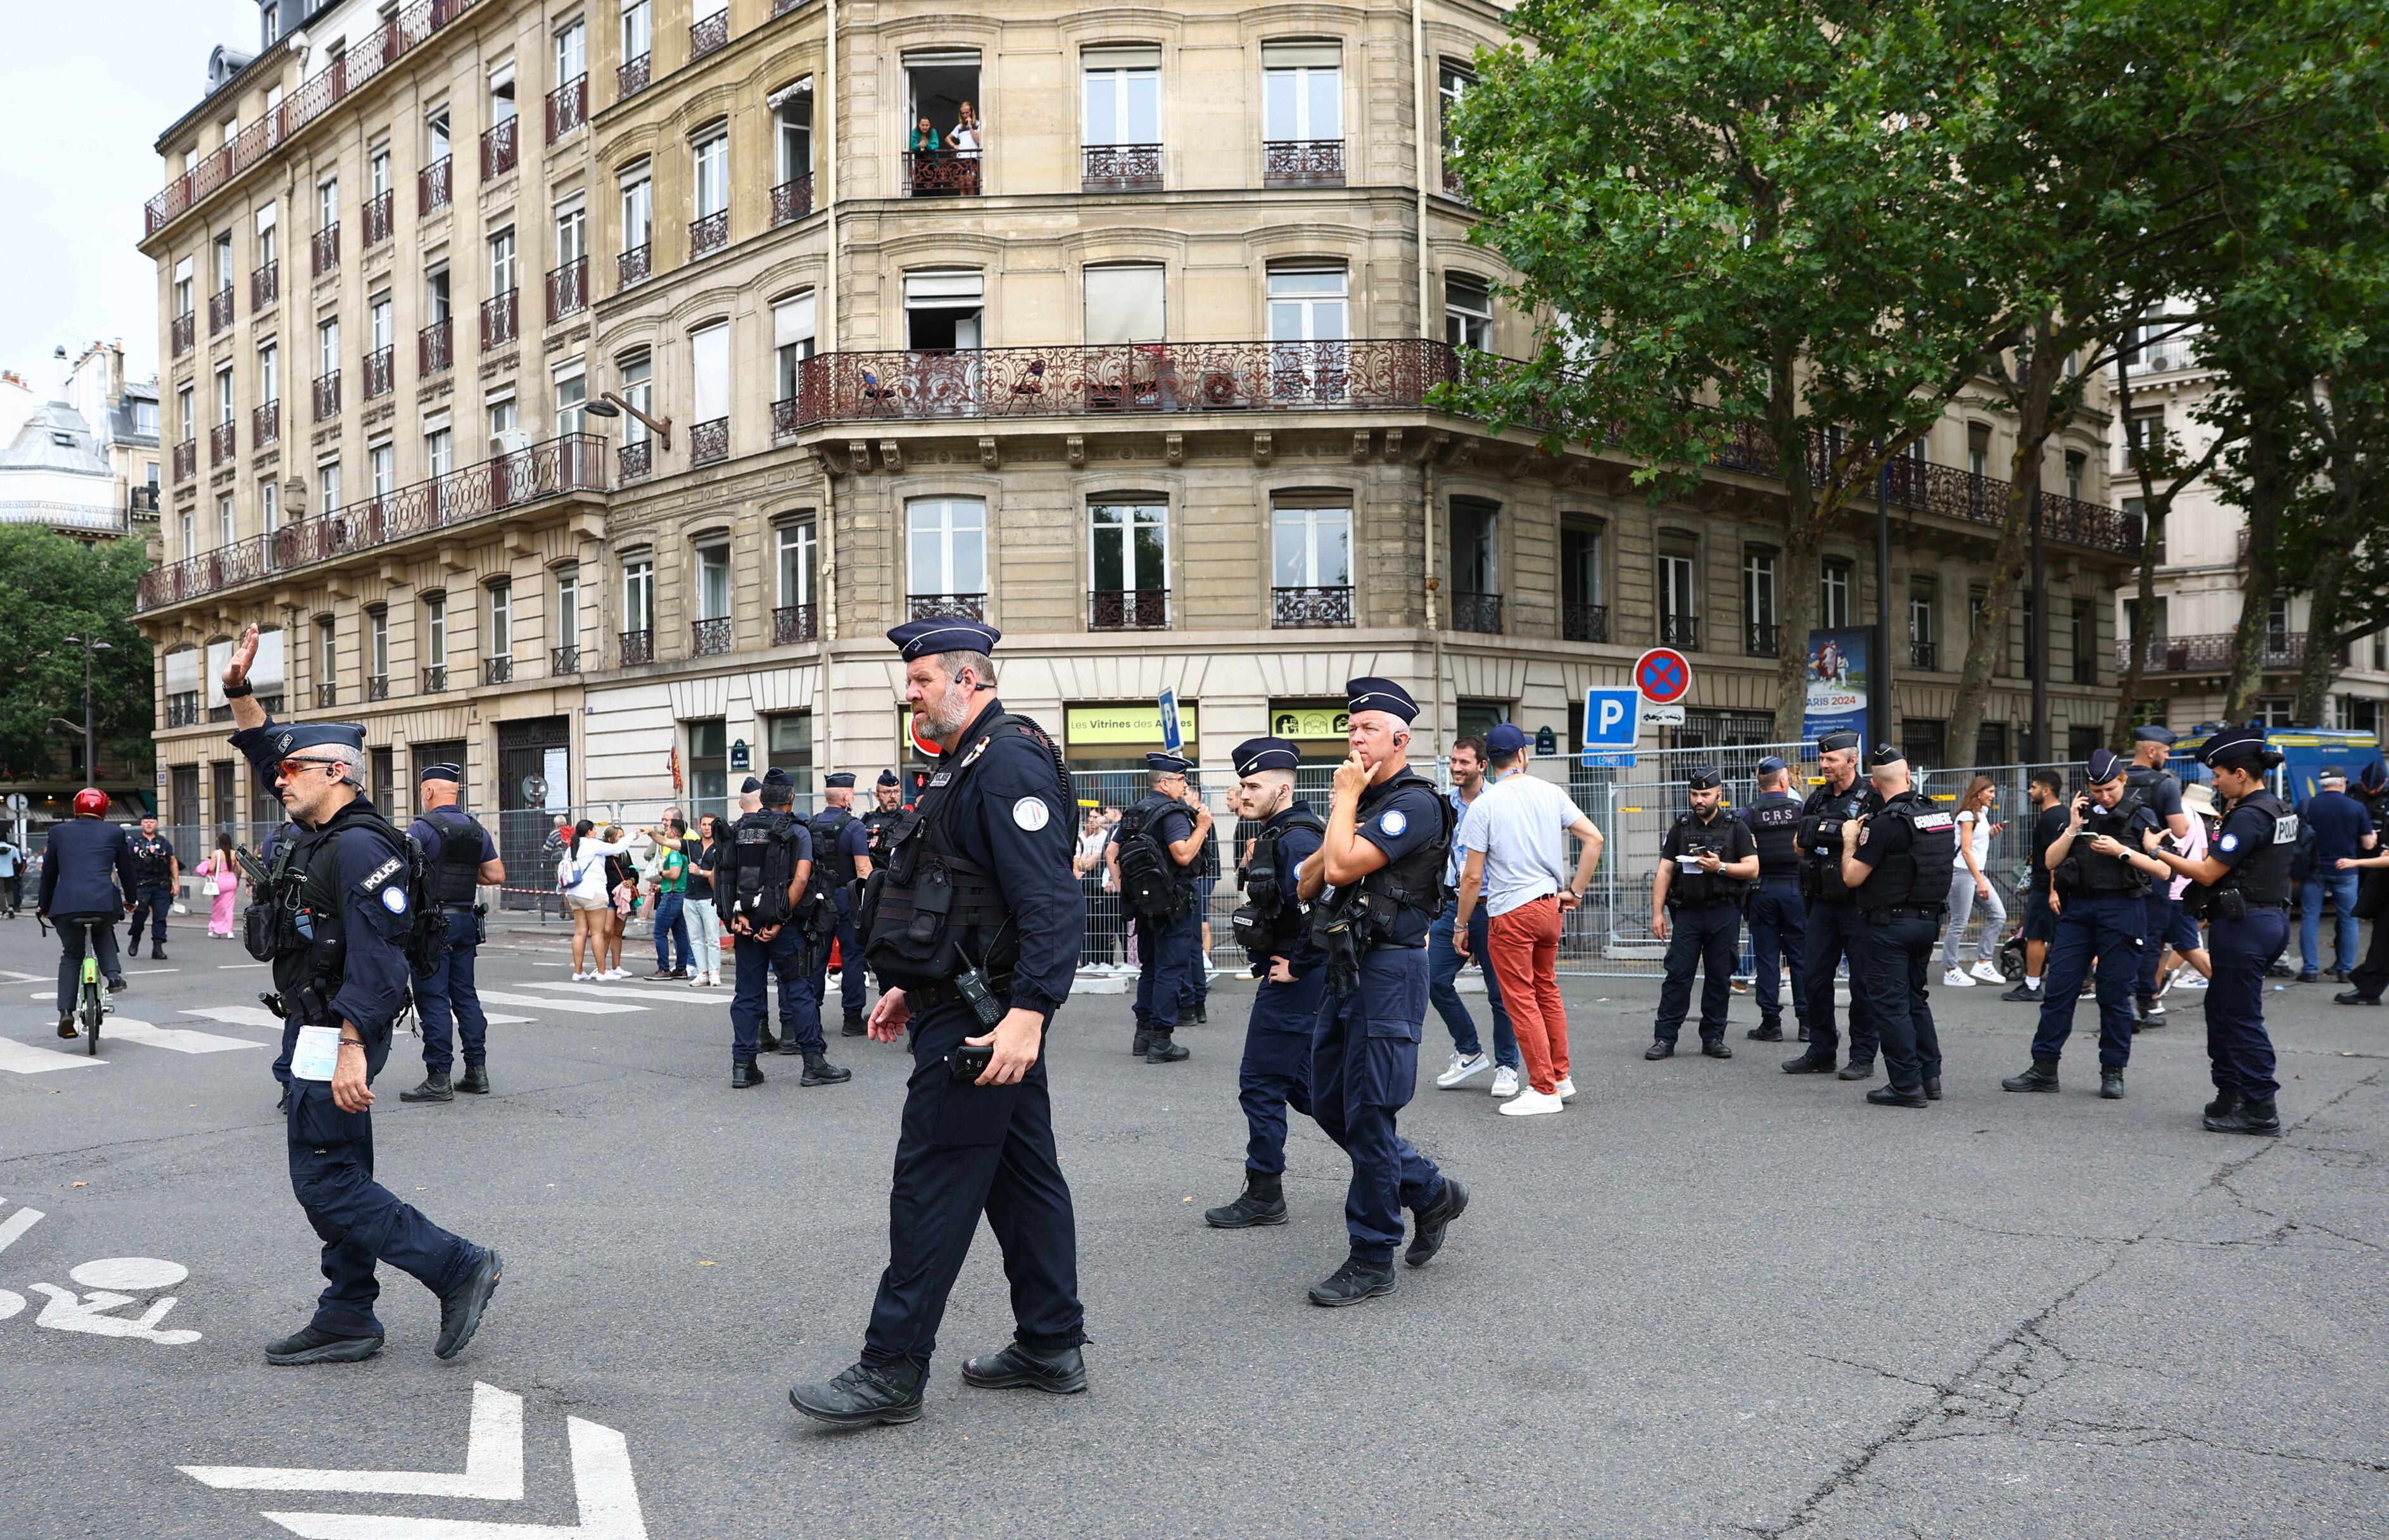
<point x="85" y="91"/>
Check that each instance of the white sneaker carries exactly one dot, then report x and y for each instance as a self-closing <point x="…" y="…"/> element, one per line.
<point x="582" y="978"/>
<point x="1505" y="1081"/>
<point x="1566" y="1087"/>
<point x="615" y="973"/>
<point x="1987" y="971"/>
<point x="2190" y="978"/>
<point x="1956" y="979"/>
<point x="1461" y="1067"/>
<point x="1531" y="1102"/>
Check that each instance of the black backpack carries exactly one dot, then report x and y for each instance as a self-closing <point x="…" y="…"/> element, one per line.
<point x="1149" y="879"/>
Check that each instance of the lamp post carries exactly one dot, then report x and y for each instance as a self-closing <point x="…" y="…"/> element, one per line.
<point x="609" y="404"/>
<point x="89" y="644"/>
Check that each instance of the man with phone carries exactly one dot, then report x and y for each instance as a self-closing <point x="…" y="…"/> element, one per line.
<point x="1706" y="862"/>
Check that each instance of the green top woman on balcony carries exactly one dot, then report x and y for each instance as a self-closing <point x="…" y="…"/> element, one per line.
<point x="927" y="140"/>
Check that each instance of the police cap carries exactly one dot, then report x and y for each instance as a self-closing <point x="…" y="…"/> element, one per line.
<point x="749" y="786"/>
<point x="1886" y="754"/>
<point x="946" y="633"/>
<point x="887" y="778"/>
<point x="2231" y="745"/>
<point x="2156" y="734"/>
<point x="2102" y="765"/>
<point x="1832" y="741"/>
<point x="304" y="735"/>
<point x="1167" y="764"/>
<point x="778" y="787"/>
<point x="1255" y="754"/>
<point x="1769" y="765"/>
<point x="1380" y="694"/>
<point x="439" y="772"/>
<point x="841" y="777"/>
<point x="1704" y="779"/>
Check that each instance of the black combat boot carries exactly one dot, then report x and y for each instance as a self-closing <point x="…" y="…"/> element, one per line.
<point x="2250" y="1117"/>
<point x="1057" y="1372"/>
<point x="1195" y="1008"/>
<point x="1143" y="1042"/>
<point x="1892" y="1096"/>
<point x="765" y="1042"/>
<point x="1263" y="1202"/>
<point x="158" y="952"/>
<point x="2111" y="1083"/>
<point x="1353" y="1282"/>
<point x="819" y="1070"/>
<point x="312" y="1345"/>
<point x="1714" y="1048"/>
<point x="862" y="1395"/>
<point x="460" y="1311"/>
<point x="1768" y="1031"/>
<point x="2042" y="1076"/>
<point x="2152" y="1015"/>
<point x="744" y="1073"/>
<point x="1660" y="1048"/>
<point x="475" y="1081"/>
<point x="1932" y="1087"/>
<point x="1428" y="1224"/>
<point x="1162" y="1049"/>
<point x="853" y="1027"/>
<point x="1857" y="1069"/>
<point x="1807" y="1065"/>
<point x="435" y="1087"/>
<point x="2226" y="1103"/>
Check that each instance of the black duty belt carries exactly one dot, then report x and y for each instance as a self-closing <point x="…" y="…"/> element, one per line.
<point x="923" y="996"/>
<point x="1935" y="912"/>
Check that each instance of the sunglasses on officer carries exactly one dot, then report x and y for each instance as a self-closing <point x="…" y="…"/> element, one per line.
<point x="291" y="769"/>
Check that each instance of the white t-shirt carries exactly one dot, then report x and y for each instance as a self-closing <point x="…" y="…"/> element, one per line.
<point x="586" y="867"/>
<point x="1520" y="822"/>
<point x="1979" y="833"/>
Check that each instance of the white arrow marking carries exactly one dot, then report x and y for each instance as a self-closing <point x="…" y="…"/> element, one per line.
<point x="25" y="1058"/>
<point x="493" y="1465"/>
<point x="543" y="1002"/>
<point x="179" y="1040"/>
<point x="607" y="1495"/>
<point x="67" y="1312"/>
<point x="13" y="1229"/>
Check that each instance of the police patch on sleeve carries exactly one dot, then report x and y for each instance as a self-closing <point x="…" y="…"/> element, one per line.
<point x="1031" y="813"/>
<point x="2229" y="842"/>
<point x="394" y="900"/>
<point x="1393" y="821"/>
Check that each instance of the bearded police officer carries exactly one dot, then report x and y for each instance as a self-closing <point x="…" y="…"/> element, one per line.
<point x="1153" y="857"/>
<point x="886" y="810"/>
<point x="1835" y="930"/>
<point x="760" y="891"/>
<point x="1383" y="857"/>
<point x="1275" y="1074"/>
<point x="2247" y="876"/>
<point x="2100" y="877"/>
<point x="159" y="873"/>
<point x="1779" y="919"/>
<point x="447" y="1002"/>
<point x="973" y="924"/>
<point x="335" y="918"/>
<point x="1898" y="867"/>
<point x="841" y="853"/>
<point x="1706" y="862"/>
<point x="2160" y="792"/>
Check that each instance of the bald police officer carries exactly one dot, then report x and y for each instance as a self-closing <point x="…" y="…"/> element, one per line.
<point x="1376" y="885"/>
<point x="973" y="925"/>
<point x="343" y="906"/>
<point x="1898" y="867"/>
<point x="447" y="1002"/>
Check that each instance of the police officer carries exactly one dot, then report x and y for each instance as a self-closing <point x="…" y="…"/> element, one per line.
<point x="760" y="891"/>
<point x="2160" y="792"/>
<point x="2246" y="875"/>
<point x="886" y="811"/>
<point x="842" y="849"/>
<point x="1779" y="919"/>
<point x="464" y="860"/>
<point x="1275" y="1074"/>
<point x="88" y="879"/>
<point x="1835" y="931"/>
<point x="1899" y="869"/>
<point x="2100" y="874"/>
<point x="345" y="901"/>
<point x="1169" y="925"/>
<point x="1383" y="855"/>
<point x="160" y="870"/>
<point x="1203" y="872"/>
<point x="1706" y="862"/>
<point x="973" y="925"/>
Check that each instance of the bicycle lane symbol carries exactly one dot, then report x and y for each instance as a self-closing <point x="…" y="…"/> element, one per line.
<point x="114" y="1282"/>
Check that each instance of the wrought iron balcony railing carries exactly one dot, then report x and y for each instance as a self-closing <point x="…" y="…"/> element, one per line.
<point x="709" y="34"/>
<point x="568" y="290"/>
<point x="792" y="623"/>
<point x="1309" y="608"/>
<point x="708" y="234"/>
<point x="179" y="332"/>
<point x="1762" y="639"/>
<point x="1584" y="622"/>
<point x="1679" y="630"/>
<point x="711" y="638"/>
<point x="793" y="199"/>
<point x="2211" y="653"/>
<point x="568" y="107"/>
<point x="435" y="346"/>
<point x="328" y="695"/>
<point x="1924" y="656"/>
<point x="501" y="143"/>
<point x="709" y="441"/>
<point x="219" y="310"/>
<point x="264" y="286"/>
<point x="380" y="217"/>
<point x="498" y="315"/>
<point x="559" y="467"/>
<point x="222" y="443"/>
<point x="931" y="607"/>
<point x="183" y="710"/>
<point x="631" y="76"/>
<point x="186" y="459"/>
<point x="497" y="670"/>
<point x="637" y="460"/>
<point x="1302" y="163"/>
<point x="376" y="687"/>
<point x="631" y="267"/>
<point x="1476" y="612"/>
<point x="328" y="396"/>
<point x="1128" y="609"/>
<point x="434" y="184"/>
<point x="1120" y="169"/>
<point x="941" y="174"/>
<point x="326" y="247"/>
<point x="638" y="646"/>
<point x="435" y="679"/>
<point x="381" y="373"/>
<point x="563" y="660"/>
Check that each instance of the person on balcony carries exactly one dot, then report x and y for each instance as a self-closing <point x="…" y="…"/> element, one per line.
<point x="965" y="134"/>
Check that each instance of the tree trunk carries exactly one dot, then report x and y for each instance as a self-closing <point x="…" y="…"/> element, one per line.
<point x="2127" y="700"/>
<point x="1797" y="607"/>
<point x="2036" y="379"/>
<point x="2326" y="585"/>
<point x="2269" y="492"/>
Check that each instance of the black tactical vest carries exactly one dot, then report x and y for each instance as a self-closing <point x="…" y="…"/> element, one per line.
<point x="1404" y="896"/>
<point x="1823" y="817"/>
<point x="150" y="859"/>
<point x="2263" y="876"/>
<point x="1270" y="922"/>
<point x="878" y="825"/>
<point x="296" y="923"/>
<point x="2108" y="876"/>
<point x="457" y="874"/>
<point x="826" y="826"/>
<point x="1917" y="877"/>
<point x="1695" y="888"/>
<point x="1775" y="824"/>
<point x="755" y="870"/>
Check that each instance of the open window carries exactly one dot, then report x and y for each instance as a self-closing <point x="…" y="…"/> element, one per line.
<point x="944" y="132"/>
<point x="945" y="310"/>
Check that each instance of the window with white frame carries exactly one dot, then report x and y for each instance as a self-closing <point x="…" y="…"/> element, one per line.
<point x="711" y="182"/>
<point x="439" y="447"/>
<point x="708" y="356"/>
<point x="501" y="262"/>
<point x="714" y="581"/>
<point x="190" y="531"/>
<point x="500" y="602"/>
<point x="1679" y="593"/>
<point x="377" y="643"/>
<point x="225" y="525"/>
<point x="945" y="308"/>
<point x="328" y="346"/>
<point x="182" y="287"/>
<point x="269" y="506"/>
<point x="792" y="338"/>
<point x="798" y="555"/>
<point x="1308" y="304"/>
<point x="1834" y="597"/>
<point x="1302" y="91"/>
<point x="947" y="537"/>
<point x="327" y="203"/>
<point x="638" y="29"/>
<point x="567" y="606"/>
<point x="223" y="260"/>
<point x="328" y="487"/>
<point x="571" y="52"/>
<point x="639" y="391"/>
<point x="224" y="403"/>
<point x="267" y="237"/>
<point x="377" y="170"/>
<point x="1124" y="304"/>
<point x="328" y="650"/>
<point x="1759" y="607"/>
<point x="571" y="400"/>
<point x="792" y="120"/>
<point x="504" y="419"/>
<point x="502" y="94"/>
<point x="571" y="230"/>
<point x="435" y="630"/>
<point x="1314" y="544"/>
<point x="380" y="323"/>
<point x="1122" y="95"/>
<point x="186" y="411"/>
<point x="639" y="593"/>
<point x="1467" y="311"/>
<point x="1127" y="545"/>
<point x="638" y="207"/>
<point x="381" y="466"/>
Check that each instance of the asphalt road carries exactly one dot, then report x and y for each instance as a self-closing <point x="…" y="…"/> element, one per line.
<point x="1709" y="1300"/>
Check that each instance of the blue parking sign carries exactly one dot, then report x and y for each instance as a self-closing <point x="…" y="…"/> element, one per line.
<point x="1611" y="722"/>
<point x="1174" y="737"/>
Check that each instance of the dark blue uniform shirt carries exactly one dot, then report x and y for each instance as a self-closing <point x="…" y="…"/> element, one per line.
<point x="426" y="834"/>
<point x="1013" y="819"/>
<point x="2340" y="824"/>
<point x="1168" y="821"/>
<point x="853" y="839"/>
<point x="1409" y="818"/>
<point x="375" y="917"/>
<point x="1294" y="846"/>
<point x="86" y="869"/>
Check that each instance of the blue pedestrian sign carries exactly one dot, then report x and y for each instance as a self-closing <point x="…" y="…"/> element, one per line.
<point x="1174" y="737"/>
<point x="1610" y="725"/>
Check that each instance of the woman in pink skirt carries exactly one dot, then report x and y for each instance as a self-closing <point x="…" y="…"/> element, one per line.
<point x="225" y="873"/>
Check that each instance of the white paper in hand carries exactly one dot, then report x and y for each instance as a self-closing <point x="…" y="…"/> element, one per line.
<point x="318" y="1053"/>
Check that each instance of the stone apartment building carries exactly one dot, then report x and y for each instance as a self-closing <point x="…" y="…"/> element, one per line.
<point x="588" y="384"/>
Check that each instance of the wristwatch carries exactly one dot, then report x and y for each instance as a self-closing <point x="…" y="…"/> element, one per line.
<point x="234" y="692"/>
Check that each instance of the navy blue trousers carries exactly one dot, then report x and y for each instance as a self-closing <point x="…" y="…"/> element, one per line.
<point x="784" y="955"/>
<point x="1166" y="955"/>
<point x="151" y="902"/>
<point x="449" y="1003"/>
<point x="849" y="963"/>
<point x="1708" y="937"/>
<point x="1892" y="985"/>
<point x="1778" y="931"/>
<point x="1276" y="1071"/>
<point x="2237" y="1045"/>
<point x="1835" y="931"/>
<point x="964" y="1150"/>
<point x="2113" y="930"/>
<point x="1363" y="1071"/>
<point x="2160" y="922"/>
<point x="359" y="1221"/>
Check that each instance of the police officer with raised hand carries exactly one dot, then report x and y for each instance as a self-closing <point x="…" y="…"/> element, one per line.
<point x="1153" y="858"/>
<point x="1706" y="862"/>
<point x="2101" y="876"/>
<point x="337" y="917"/>
<point x="2246" y="875"/>
<point x="1779" y="917"/>
<point x="1835" y="930"/>
<point x="161" y="873"/>
<point x="1383" y="855"/>
<point x="464" y="860"/>
<point x="973" y="924"/>
<point x="760" y="891"/>
<point x="841" y="853"/>
<point x="1898" y="867"/>
<point x="87" y="881"/>
<point x="1275" y="1074"/>
<point x="2160" y="792"/>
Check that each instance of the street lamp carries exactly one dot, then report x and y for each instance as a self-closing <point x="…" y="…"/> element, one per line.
<point x="609" y="404"/>
<point x="89" y="644"/>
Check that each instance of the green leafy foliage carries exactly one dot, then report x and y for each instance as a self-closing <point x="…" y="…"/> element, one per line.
<point x="52" y="588"/>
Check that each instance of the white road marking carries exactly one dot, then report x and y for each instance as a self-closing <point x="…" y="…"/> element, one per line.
<point x="177" y="1039"/>
<point x="11" y="1303"/>
<point x="13" y="1229"/>
<point x="25" y="1058"/>
<point x="239" y="1015"/>
<point x="494" y="1464"/>
<point x="145" y="973"/>
<point x="20" y="978"/>
<point x="66" y="1313"/>
<point x="607" y="1495"/>
<point x="228" y="967"/>
<point x="543" y="1002"/>
<point x="138" y="1273"/>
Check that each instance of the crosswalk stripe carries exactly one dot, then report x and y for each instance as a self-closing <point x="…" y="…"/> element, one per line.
<point x="543" y="1002"/>
<point x="18" y="1058"/>
<point x="177" y="1039"/>
<point x="239" y="1015"/>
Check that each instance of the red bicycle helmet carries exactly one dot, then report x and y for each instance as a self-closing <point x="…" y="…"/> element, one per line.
<point x="91" y="802"/>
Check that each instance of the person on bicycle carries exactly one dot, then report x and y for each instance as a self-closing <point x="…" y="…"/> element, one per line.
<point x="88" y="885"/>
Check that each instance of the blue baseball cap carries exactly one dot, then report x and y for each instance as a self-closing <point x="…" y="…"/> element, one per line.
<point x="1505" y="738"/>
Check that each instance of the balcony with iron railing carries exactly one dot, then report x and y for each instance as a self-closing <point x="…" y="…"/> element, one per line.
<point x="501" y="143"/>
<point x="558" y="467"/>
<point x="381" y="373"/>
<point x="710" y="637"/>
<point x="186" y="459"/>
<point x="708" y="442"/>
<point x="793" y="199"/>
<point x="370" y="51"/>
<point x="325" y="244"/>
<point x="179" y="333"/>
<point x="380" y="215"/>
<point x="1128" y="609"/>
<point x="568" y="290"/>
<point x="435" y="346"/>
<point x="638" y="646"/>
<point x="498" y="320"/>
<point x="264" y="286"/>
<point x="328" y="695"/>
<point x="632" y="267"/>
<point x="219" y="310"/>
<point x="1309" y="608"/>
<point x="568" y="107"/>
<point x="1120" y="169"/>
<point x="941" y="174"/>
<point x="141" y="504"/>
<point x="328" y="396"/>
<point x="706" y="36"/>
<point x="497" y="670"/>
<point x="1679" y="630"/>
<point x="183" y="710"/>
<point x="435" y="185"/>
<point x="936" y="606"/>
<point x="435" y="679"/>
<point x="222" y="443"/>
<point x="638" y="461"/>
<point x="1476" y="612"/>
<point x="1762" y="639"/>
<point x="1924" y="656"/>
<point x="792" y="623"/>
<point x="708" y="234"/>
<point x="1302" y="163"/>
<point x="563" y="660"/>
<point x="376" y="687"/>
<point x="631" y="76"/>
<point x="2211" y="653"/>
<point x="1584" y="622"/>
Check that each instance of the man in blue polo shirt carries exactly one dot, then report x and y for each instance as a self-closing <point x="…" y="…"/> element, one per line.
<point x="2343" y="831"/>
